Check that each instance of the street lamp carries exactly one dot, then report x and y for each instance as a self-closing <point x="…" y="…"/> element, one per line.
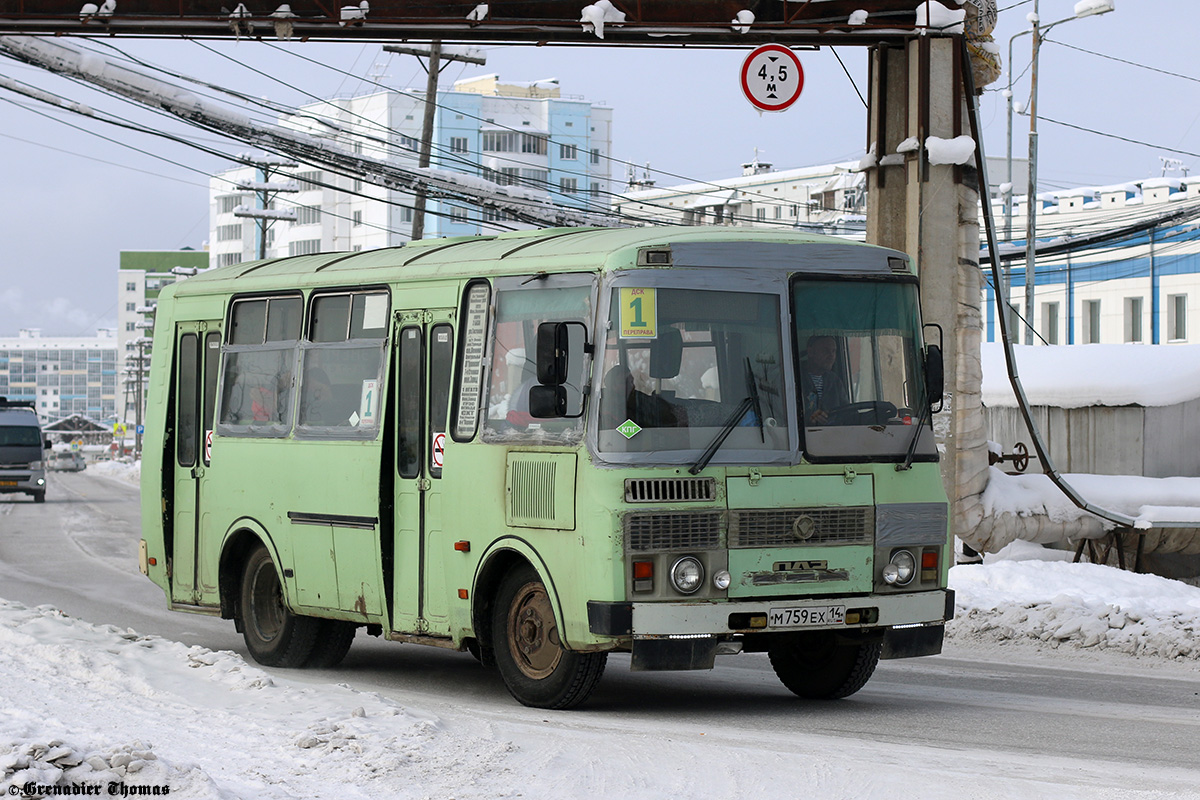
<point x="1084" y="8"/>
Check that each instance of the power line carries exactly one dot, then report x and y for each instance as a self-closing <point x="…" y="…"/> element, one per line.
<point x="1119" y="138"/>
<point x="1123" y="61"/>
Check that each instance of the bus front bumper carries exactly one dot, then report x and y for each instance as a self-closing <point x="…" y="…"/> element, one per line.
<point x="690" y="635"/>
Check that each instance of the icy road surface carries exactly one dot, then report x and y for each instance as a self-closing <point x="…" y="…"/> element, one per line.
<point x="1016" y="708"/>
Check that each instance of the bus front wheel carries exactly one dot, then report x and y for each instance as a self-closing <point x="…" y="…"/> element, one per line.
<point x="819" y="665"/>
<point x="536" y="668"/>
<point x="274" y="635"/>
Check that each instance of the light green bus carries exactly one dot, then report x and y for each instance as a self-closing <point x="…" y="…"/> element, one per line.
<point x="545" y="446"/>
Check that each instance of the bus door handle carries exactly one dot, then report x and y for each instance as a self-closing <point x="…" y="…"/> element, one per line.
<point x="423" y="485"/>
<point x="197" y="471"/>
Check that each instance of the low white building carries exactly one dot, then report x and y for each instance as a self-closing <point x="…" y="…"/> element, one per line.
<point x="1116" y="264"/>
<point x="829" y="198"/>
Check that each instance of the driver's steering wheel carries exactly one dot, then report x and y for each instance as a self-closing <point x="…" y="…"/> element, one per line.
<point x="866" y="412"/>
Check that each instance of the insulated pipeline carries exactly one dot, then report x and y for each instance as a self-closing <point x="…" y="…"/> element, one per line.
<point x="1009" y="357"/>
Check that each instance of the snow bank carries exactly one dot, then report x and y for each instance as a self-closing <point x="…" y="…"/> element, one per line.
<point x="98" y="705"/>
<point x="1144" y="499"/>
<point x="1033" y="594"/>
<point x="121" y="470"/>
<point x="1074" y="376"/>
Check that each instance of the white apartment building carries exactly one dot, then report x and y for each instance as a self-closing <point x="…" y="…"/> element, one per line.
<point x="1115" y="264"/>
<point x="63" y="376"/>
<point x="523" y="134"/>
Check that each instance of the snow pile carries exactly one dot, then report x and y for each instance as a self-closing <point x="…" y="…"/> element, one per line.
<point x="936" y="15"/>
<point x="98" y="705"/>
<point x="959" y="150"/>
<point x="1075" y="376"/>
<point x="129" y="472"/>
<point x="1145" y="499"/>
<point x="1031" y="594"/>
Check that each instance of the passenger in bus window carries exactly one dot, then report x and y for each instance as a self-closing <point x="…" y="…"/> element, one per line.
<point x="823" y="389"/>
<point x="316" y="399"/>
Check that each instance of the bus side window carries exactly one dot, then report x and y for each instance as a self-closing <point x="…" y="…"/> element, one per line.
<point x="342" y="364"/>
<point x="410" y="391"/>
<point x="260" y="357"/>
<point x="441" y="357"/>
<point x="187" y="392"/>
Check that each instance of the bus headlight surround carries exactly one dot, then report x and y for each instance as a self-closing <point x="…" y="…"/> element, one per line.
<point x="687" y="575"/>
<point x="901" y="569"/>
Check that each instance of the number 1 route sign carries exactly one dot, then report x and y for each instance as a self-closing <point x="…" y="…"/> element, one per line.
<point x="772" y="77"/>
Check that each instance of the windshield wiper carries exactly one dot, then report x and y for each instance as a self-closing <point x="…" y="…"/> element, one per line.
<point x="752" y="386"/>
<point x="749" y="403"/>
<point x="912" y="444"/>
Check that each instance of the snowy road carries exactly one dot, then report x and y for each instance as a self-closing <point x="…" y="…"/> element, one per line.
<point x="975" y="722"/>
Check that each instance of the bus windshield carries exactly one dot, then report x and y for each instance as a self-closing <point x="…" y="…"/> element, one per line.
<point x="861" y="382"/>
<point x="680" y="365"/>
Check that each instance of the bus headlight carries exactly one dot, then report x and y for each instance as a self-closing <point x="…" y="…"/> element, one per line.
<point x="722" y="579"/>
<point x="687" y="575"/>
<point x="901" y="569"/>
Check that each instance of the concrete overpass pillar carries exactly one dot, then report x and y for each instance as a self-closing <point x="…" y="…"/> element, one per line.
<point x="931" y="212"/>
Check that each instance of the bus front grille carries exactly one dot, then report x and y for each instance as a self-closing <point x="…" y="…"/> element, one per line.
<point x="683" y="530"/>
<point x="669" y="490"/>
<point x="789" y="527"/>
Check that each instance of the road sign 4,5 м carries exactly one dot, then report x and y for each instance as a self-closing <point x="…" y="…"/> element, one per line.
<point x="772" y="77"/>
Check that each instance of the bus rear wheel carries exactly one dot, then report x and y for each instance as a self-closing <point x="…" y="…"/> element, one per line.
<point x="536" y="668"/>
<point x="819" y="665"/>
<point x="274" y="635"/>
<point x="334" y="638"/>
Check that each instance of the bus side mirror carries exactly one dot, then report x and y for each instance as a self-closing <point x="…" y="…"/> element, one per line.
<point x="561" y="350"/>
<point x="46" y="444"/>
<point x="935" y="376"/>
<point x="547" y="402"/>
<point x="559" y="345"/>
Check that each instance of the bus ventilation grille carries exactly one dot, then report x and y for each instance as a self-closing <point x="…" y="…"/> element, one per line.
<point x="532" y="496"/>
<point x="681" y="530"/>
<point x="669" y="490"/>
<point x="789" y="527"/>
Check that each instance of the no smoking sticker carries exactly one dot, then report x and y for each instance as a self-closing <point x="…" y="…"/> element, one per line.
<point x="772" y="77"/>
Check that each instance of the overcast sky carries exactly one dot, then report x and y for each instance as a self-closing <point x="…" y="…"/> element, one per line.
<point x="72" y="201"/>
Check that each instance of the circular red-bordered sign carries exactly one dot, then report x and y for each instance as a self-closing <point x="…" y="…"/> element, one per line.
<point x="772" y="77"/>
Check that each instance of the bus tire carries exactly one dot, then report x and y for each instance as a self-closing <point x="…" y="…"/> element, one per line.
<point x="39" y="497"/>
<point x="334" y="638"/>
<point x="536" y="668"/>
<point x="274" y="635"/>
<point x="820" y="666"/>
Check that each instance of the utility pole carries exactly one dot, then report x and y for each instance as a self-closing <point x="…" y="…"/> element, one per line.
<point x="1039" y="32"/>
<point x="267" y="192"/>
<point x="436" y="56"/>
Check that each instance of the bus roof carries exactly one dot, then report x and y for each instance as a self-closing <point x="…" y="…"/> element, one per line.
<point x="516" y="252"/>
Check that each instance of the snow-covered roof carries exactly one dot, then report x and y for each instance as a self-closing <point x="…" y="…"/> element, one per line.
<point x="1075" y="376"/>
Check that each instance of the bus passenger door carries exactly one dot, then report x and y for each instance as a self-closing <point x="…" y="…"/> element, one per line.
<point x="197" y="352"/>
<point x="424" y="356"/>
